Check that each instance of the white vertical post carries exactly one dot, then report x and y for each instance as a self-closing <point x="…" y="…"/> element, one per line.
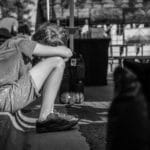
<point x="58" y="22"/>
<point x="47" y="9"/>
<point x="71" y="23"/>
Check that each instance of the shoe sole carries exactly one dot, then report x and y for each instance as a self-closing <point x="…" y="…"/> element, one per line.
<point x="51" y="127"/>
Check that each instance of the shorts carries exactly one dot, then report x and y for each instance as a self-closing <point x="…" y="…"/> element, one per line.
<point x="17" y="95"/>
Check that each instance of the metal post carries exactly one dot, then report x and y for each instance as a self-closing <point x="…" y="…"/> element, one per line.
<point x="123" y="25"/>
<point x="47" y="10"/>
<point x="71" y="23"/>
<point x="58" y="22"/>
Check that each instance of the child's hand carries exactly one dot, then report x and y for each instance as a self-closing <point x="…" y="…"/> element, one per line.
<point x="66" y="59"/>
<point x="66" y="50"/>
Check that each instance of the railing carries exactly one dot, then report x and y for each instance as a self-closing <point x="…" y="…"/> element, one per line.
<point x="117" y="53"/>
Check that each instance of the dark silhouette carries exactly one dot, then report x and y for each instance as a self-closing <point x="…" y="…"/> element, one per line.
<point x="128" y="118"/>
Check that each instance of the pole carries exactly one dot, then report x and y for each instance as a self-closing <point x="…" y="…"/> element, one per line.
<point x="47" y="9"/>
<point x="123" y="26"/>
<point x="71" y="23"/>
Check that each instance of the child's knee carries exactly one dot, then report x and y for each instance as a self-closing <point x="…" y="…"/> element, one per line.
<point x="60" y="62"/>
<point x="56" y="62"/>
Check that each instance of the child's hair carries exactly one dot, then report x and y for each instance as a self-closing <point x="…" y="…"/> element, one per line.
<point x="51" y="34"/>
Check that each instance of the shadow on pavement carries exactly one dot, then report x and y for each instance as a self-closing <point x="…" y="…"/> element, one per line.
<point x="92" y="124"/>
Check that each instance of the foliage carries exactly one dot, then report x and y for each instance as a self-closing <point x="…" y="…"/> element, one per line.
<point x="21" y="7"/>
<point x="109" y="14"/>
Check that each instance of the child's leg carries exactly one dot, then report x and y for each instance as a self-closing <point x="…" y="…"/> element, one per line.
<point x="48" y="74"/>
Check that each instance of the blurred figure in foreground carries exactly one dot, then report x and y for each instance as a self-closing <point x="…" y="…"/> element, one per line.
<point x="129" y="114"/>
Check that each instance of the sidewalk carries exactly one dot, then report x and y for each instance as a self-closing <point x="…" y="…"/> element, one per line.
<point x="90" y="134"/>
<point x="93" y="113"/>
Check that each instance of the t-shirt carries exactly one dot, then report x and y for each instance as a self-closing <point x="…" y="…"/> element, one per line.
<point x="15" y="58"/>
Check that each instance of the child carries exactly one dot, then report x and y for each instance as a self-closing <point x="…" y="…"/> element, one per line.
<point x="20" y="83"/>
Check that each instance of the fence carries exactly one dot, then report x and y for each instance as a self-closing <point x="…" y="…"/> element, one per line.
<point x="135" y="45"/>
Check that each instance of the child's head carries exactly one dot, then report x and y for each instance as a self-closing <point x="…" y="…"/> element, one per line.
<point x="51" y="34"/>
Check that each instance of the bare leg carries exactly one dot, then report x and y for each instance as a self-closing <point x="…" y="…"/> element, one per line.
<point x="48" y="74"/>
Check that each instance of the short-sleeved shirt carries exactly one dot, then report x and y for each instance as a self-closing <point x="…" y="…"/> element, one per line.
<point x="12" y="67"/>
<point x="16" y="85"/>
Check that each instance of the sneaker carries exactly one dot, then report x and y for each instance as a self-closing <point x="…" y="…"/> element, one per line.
<point x="56" y="122"/>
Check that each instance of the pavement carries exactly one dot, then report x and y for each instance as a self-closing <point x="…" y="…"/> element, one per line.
<point x="90" y="134"/>
<point x="93" y="113"/>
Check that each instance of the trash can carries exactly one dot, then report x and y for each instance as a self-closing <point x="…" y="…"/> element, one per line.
<point x="95" y="54"/>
